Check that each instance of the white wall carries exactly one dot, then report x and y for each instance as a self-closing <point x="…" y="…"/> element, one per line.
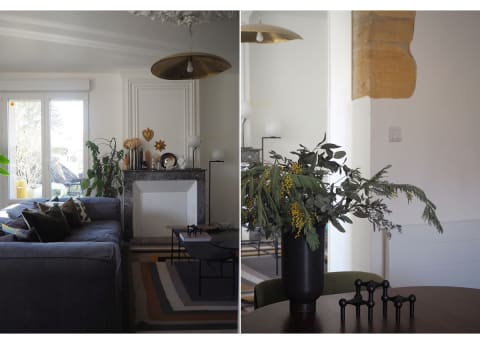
<point x="219" y="128"/>
<point x="439" y="151"/>
<point x="288" y="83"/>
<point x="348" y="126"/>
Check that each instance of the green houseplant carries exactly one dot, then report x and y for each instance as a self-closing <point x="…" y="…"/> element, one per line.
<point x="105" y="175"/>
<point x="3" y="161"/>
<point x="297" y="199"/>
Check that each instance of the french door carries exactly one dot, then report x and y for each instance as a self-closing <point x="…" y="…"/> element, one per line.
<point x="46" y="143"/>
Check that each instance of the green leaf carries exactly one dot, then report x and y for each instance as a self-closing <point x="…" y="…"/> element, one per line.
<point x="337" y="225"/>
<point x="339" y="154"/>
<point x="3" y="172"/>
<point x="84" y="184"/>
<point x="329" y="146"/>
<point x="4" y="160"/>
<point x="312" y="240"/>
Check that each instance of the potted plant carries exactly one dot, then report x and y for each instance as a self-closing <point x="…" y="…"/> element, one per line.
<point x="3" y="161"/>
<point x="297" y="199"/>
<point x="105" y="175"/>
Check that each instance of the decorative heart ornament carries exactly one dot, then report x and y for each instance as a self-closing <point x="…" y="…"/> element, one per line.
<point x="147" y="134"/>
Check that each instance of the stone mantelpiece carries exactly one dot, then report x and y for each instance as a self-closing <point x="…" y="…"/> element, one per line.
<point x="131" y="176"/>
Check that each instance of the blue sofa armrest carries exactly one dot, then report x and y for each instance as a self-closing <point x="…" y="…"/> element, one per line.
<point x="59" y="287"/>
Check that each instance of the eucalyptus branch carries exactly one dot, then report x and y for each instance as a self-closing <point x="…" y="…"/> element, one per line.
<point x="270" y="192"/>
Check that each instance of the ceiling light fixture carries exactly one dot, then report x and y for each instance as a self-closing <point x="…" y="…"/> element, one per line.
<point x="190" y="65"/>
<point x="263" y="33"/>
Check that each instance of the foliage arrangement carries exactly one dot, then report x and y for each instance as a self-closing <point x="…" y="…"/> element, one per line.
<point x="105" y="175"/>
<point x="3" y="161"/>
<point x="299" y="196"/>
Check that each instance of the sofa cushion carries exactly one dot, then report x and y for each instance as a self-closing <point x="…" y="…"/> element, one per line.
<point x="51" y="226"/>
<point x="97" y="231"/>
<point x="68" y="208"/>
<point x="29" y="235"/>
<point x="102" y="208"/>
<point x="7" y="238"/>
<point x="15" y="210"/>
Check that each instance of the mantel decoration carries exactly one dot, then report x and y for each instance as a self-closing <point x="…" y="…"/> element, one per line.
<point x="105" y="175"/>
<point x="148" y="134"/>
<point x="297" y="199"/>
<point x="188" y="65"/>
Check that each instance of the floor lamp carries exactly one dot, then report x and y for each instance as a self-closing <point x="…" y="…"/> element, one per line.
<point x="217" y="156"/>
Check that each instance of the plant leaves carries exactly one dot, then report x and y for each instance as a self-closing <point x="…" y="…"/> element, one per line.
<point x="4" y="160"/>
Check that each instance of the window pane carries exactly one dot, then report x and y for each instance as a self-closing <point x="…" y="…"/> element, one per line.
<point x="66" y="141"/>
<point x="25" y="147"/>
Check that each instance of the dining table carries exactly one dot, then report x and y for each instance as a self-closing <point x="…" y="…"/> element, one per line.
<point x="437" y="309"/>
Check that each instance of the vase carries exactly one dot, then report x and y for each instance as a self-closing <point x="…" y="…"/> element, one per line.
<point x="302" y="271"/>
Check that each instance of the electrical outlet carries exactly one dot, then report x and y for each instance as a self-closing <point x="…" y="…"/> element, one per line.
<point x="394" y="134"/>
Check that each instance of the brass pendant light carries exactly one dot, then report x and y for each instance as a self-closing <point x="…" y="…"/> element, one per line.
<point x="263" y="33"/>
<point x="188" y="65"/>
<point x="192" y="65"/>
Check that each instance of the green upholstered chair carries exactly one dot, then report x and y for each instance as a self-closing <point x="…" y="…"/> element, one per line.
<point x="272" y="291"/>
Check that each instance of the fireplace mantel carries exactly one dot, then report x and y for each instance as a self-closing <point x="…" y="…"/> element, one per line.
<point x="131" y="176"/>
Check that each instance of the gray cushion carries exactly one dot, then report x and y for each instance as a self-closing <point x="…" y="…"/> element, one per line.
<point x="15" y="210"/>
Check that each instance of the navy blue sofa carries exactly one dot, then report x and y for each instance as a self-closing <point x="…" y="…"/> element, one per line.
<point x="69" y="286"/>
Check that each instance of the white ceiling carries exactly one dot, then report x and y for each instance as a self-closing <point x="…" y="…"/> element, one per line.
<point x="102" y="41"/>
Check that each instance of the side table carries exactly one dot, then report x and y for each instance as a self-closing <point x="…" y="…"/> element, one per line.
<point x="197" y="233"/>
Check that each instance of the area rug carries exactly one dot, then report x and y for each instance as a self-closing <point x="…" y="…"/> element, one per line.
<point x="167" y="299"/>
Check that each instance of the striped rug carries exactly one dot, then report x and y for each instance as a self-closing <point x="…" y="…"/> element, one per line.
<point x="167" y="300"/>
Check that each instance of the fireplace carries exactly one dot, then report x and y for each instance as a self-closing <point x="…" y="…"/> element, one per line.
<point x="154" y="200"/>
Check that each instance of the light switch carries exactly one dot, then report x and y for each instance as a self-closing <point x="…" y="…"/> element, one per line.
<point x="394" y="134"/>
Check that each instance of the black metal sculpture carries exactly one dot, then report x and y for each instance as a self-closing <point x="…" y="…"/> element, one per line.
<point x="371" y="286"/>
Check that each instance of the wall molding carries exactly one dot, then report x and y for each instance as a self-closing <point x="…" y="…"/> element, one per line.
<point x="75" y="35"/>
<point x="134" y="86"/>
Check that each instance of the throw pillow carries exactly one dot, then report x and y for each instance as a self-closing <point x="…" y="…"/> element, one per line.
<point x="21" y="234"/>
<point x="51" y="226"/>
<point x="19" y="222"/>
<point x="69" y="210"/>
<point x="82" y="210"/>
<point x="15" y="210"/>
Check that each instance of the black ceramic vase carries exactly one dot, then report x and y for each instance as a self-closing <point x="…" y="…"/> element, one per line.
<point x="302" y="271"/>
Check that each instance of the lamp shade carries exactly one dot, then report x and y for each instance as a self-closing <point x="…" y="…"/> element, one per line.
<point x="194" y="141"/>
<point x="176" y="67"/>
<point x="263" y="33"/>
<point x="218" y="154"/>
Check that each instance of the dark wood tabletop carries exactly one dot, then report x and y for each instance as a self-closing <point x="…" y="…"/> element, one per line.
<point x="437" y="310"/>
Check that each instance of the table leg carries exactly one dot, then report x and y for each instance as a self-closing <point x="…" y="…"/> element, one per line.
<point x="199" y="277"/>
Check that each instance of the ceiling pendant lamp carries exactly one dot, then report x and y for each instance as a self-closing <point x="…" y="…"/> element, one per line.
<point x="188" y="65"/>
<point x="191" y="65"/>
<point x="263" y="33"/>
